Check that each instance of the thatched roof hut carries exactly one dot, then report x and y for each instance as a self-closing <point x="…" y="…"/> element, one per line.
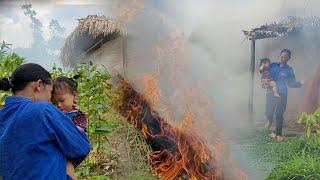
<point x="91" y="34"/>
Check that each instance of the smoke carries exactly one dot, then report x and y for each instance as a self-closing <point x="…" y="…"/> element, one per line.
<point x="191" y="56"/>
<point x="222" y="56"/>
<point x="214" y="27"/>
<point x="217" y="53"/>
<point x="198" y="48"/>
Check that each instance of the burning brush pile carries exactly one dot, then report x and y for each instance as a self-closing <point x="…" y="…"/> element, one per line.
<point x="177" y="153"/>
<point x="284" y="28"/>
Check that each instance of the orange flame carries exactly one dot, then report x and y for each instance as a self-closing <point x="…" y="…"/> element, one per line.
<point x="192" y="157"/>
<point x="180" y="150"/>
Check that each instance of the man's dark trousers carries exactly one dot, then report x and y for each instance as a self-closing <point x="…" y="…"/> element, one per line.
<point x="277" y="106"/>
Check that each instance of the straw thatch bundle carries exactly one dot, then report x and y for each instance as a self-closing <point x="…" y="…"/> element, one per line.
<point x="284" y="28"/>
<point x="91" y="32"/>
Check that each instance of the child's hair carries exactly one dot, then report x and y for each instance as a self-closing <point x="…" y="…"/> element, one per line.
<point x="65" y="84"/>
<point x="264" y="60"/>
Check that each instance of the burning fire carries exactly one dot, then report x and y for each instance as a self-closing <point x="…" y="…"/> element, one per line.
<point x="175" y="133"/>
<point x="178" y="153"/>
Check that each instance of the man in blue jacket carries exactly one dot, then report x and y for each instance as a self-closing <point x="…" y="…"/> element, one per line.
<point x="284" y="77"/>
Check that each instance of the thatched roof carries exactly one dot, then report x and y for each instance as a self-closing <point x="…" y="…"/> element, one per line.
<point x="284" y="28"/>
<point x="87" y="36"/>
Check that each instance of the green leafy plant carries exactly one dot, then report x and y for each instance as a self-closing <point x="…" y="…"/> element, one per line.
<point x="58" y="71"/>
<point x="3" y="48"/>
<point x="311" y="121"/>
<point x="8" y="64"/>
<point x="96" y="97"/>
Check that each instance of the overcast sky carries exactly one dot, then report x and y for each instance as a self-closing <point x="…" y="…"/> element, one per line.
<point x="15" y="25"/>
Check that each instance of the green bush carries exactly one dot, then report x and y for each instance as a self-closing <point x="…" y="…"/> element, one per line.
<point x="96" y="98"/>
<point x="8" y="63"/>
<point x="311" y="121"/>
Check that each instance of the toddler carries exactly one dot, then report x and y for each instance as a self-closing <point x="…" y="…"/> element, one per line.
<point x="266" y="79"/>
<point x="64" y="96"/>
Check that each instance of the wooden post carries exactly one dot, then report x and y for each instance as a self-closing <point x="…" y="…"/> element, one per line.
<point x="125" y="60"/>
<point x="252" y="69"/>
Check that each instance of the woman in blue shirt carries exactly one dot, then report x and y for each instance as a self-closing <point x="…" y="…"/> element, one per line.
<point x="36" y="139"/>
<point x="284" y="77"/>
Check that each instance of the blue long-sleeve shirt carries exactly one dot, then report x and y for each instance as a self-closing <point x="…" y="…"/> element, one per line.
<point x="284" y="77"/>
<point x="36" y="139"/>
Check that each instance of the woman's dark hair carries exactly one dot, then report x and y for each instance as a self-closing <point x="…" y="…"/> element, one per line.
<point x="23" y="75"/>
<point x="264" y="60"/>
<point x="286" y="51"/>
<point x="65" y="84"/>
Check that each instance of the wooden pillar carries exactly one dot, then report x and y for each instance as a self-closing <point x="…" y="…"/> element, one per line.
<point x="125" y="60"/>
<point x="252" y="69"/>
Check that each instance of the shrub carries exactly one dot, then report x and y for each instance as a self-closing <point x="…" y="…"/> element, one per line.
<point x="8" y="63"/>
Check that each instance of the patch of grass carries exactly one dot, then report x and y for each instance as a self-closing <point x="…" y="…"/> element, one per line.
<point x="139" y="175"/>
<point x="299" y="167"/>
<point x="265" y="153"/>
<point x="301" y="161"/>
<point x="99" y="178"/>
<point x="133" y="153"/>
<point x="125" y="158"/>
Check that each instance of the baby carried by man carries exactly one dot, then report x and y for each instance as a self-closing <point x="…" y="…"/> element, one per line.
<point x="266" y="79"/>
